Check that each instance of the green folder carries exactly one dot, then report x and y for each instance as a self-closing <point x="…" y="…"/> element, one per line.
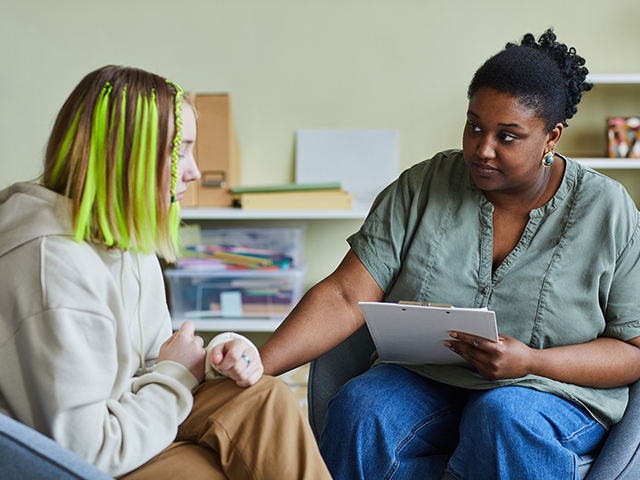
<point x="288" y="187"/>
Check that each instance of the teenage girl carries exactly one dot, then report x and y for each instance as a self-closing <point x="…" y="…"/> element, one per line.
<point x="87" y="356"/>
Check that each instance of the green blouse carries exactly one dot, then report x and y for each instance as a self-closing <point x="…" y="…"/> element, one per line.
<point x="573" y="277"/>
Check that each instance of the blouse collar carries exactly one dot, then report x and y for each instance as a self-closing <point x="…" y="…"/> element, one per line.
<point x="568" y="181"/>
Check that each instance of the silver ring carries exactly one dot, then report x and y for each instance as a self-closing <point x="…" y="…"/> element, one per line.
<point x="247" y="359"/>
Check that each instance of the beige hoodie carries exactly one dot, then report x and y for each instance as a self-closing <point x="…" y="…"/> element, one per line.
<point x="71" y="318"/>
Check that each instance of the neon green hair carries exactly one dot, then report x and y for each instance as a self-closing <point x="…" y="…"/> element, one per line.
<point x="107" y="153"/>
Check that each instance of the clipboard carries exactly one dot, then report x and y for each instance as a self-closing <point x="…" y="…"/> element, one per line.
<point x="416" y="333"/>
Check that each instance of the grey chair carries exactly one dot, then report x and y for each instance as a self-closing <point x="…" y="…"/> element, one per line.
<point x="619" y="458"/>
<point x="28" y="455"/>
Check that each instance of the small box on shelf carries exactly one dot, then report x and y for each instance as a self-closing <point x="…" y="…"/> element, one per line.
<point x="623" y="136"/>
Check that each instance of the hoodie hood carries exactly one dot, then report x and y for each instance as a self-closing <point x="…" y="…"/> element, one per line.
<point x="29" y="211"/>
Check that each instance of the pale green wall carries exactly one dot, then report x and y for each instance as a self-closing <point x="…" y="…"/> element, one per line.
<point x="289" y="64"/>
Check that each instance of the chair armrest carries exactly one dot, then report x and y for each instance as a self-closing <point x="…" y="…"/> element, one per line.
<point x="29" y="455"/>
<point x="620" y="456"/>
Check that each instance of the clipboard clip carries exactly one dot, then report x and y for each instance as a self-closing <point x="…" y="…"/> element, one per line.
<point x="425" y="304"/>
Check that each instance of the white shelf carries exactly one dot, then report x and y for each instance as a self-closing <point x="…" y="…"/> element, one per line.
<point x="618" y="163"/>
<point x="614" y="78"/>
<point x="231" y="213"/>
<point x="230" y="324"/>
<point x="614" y="163"/>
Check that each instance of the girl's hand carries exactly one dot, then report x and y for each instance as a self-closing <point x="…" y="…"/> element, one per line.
<point x="239" y="361"/>
<point x="185" y="348"/>
<point x="506" y="358"/>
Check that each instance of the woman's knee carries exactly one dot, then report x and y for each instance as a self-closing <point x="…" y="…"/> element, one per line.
<point x="513" y="430"/>
<point x="363" y="395"/>
<point x="382" y="395"/>
<point x="498" y="408"/>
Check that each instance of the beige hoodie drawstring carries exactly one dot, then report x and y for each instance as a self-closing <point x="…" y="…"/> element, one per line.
<point x="141" y="353"/>
<point x="142" y="362"/>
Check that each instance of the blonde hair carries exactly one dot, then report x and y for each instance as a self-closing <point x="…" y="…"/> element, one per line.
<point x="108" y="151"/>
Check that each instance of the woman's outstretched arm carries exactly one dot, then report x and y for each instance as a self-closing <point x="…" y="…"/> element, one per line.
<point x="326" y="315"/>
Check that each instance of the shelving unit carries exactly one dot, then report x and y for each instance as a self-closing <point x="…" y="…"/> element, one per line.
<point x="230" y="213"/>
<point x="612" y="82"/>
<point x="614" y="95"/>
<point x="231" y="324"/>
<point x="614" y="78"/>
<point x="359" y="212"/>
<point x="606" y="163"/>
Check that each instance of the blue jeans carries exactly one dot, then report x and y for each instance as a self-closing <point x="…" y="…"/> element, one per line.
<point x="393" y="423"/>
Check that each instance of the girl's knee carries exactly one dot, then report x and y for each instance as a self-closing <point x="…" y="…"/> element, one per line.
<point x="271" y="383"/>
<point x="274" y="388"/>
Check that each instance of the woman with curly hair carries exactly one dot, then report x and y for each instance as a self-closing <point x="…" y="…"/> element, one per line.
<point x="505" y="223"/>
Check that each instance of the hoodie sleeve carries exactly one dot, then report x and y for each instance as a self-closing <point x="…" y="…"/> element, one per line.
<point x="77" y="358"/>
<point x="210" y="372"/>
<point x="68" y="360"/>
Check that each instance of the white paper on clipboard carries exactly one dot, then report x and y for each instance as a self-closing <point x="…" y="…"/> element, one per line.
<point x="416" y="333"/>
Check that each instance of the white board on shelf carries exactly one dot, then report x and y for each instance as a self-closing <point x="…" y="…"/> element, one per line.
<point x="364" y="161"/>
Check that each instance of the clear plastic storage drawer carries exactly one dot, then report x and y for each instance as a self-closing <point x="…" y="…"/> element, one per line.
<point x="202" y="294"/>
<point x="237" y="273"/>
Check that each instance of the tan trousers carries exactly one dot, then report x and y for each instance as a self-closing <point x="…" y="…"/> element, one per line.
<point x="238" y="433"/>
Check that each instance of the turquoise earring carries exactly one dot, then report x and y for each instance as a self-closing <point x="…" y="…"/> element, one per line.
<point x="547" y="159"/>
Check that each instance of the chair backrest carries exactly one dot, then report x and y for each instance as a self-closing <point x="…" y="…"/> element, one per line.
<point x="619" y="458"/>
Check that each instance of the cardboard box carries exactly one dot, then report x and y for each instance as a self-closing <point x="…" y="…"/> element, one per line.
<point x="216" y="151"/>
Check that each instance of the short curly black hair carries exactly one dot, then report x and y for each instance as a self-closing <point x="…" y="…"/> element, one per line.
<point x="545" y="76"/>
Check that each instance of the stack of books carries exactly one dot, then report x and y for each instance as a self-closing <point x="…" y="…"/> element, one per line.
<point x="292" y="196"/>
